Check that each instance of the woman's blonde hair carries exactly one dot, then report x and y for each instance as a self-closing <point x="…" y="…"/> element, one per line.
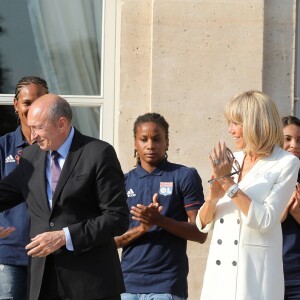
<point x="262" y="126"/>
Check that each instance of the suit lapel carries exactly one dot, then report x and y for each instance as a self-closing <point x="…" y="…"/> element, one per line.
<point x="41" y="167"/>
<point x="259" y="169"/>
<point x="71" y="160"/>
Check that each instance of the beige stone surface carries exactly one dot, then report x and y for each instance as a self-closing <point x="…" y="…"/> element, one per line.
<point x="185" y="59"/>
<point x="135" y="62"/>
<point x="279" y="53"/>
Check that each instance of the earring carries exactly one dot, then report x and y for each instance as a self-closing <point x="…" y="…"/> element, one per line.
<point x="16" y="112"/>
<point x="166" y="155"/>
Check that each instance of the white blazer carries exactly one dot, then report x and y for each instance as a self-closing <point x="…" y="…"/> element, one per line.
<point x="245" y="255"/>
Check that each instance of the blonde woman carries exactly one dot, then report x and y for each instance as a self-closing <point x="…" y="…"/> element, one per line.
<point x="246" y="199"/>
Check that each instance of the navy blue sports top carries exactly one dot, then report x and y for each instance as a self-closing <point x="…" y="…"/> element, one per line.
<point x="12" y="248"/>
<point x="157" y="261"/>
<point x="291" y="250"/>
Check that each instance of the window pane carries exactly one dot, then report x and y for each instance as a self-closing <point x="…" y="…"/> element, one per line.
<point x="18" y="55"/>
<point x="9" y="120"/>
<point x="57" y="40"/>
<point x="86" y="120"/>
<point x="60" y="41"/>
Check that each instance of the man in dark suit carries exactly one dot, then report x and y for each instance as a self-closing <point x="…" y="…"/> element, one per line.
<point x="72" y="250"/>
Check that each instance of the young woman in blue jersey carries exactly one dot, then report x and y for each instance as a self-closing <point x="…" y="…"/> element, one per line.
<point x="291" y="217"/>
<point x="164" y="199"/>
<point x="14" y="223"/>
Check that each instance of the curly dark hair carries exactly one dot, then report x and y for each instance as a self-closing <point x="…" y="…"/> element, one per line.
<point x="29" y="80"/>
<point x="154" y="118"/>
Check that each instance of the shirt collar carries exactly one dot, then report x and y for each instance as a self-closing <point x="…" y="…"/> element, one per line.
<point x="65" y="147"/>
<point x="19" y="139"/>
<point x="156" y="172"/>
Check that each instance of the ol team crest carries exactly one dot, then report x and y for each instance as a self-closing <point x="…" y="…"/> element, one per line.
<point x="166" y="188"/>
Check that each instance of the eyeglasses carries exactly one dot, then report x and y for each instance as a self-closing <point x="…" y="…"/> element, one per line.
<point x="35" y="129"/>
<point x="235" y="166"/>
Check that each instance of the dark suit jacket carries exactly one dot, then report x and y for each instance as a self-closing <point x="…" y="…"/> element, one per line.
<point x="90" y="200"/>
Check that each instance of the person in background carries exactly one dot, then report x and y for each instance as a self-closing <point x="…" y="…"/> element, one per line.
<point x="162" y="196"/>
<point x="74" y="189"/>
<point x="15" y="221"/>
<point x="291" y="216"/>
<point x="245" y="202"/>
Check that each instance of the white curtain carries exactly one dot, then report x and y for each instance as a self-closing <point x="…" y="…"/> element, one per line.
<point x="68" y="37"/>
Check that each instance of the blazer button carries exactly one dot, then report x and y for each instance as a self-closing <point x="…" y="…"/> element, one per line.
<point x="234" y="263"/>
<point x="52" y="224"/>
<point x="219" y="241"/>
<point x="238" y="221"/>
<point x="235" y="242"/>
<point x="218" y="262"/>
<point x="221" y="220"/>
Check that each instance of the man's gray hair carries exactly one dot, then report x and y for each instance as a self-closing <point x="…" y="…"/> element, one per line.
<point x="61" y="108"/>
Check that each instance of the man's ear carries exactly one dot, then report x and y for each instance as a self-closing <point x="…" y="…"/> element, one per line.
<point x="62" y="122"/>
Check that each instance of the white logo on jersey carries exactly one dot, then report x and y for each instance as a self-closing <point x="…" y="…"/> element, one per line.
<point x="131" y="193"/>
<point x="9" y="159"/>
<point x="166" y="188"/>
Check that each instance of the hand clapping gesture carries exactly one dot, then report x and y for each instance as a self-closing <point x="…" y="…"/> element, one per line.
<point x="293" y="206"/>
<point x="147" y="215"/>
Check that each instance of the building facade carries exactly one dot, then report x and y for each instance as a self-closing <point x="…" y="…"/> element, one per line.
<point x="117" y="59"/>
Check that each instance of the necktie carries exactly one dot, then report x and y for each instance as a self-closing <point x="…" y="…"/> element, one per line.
<point x="55" y="170"/>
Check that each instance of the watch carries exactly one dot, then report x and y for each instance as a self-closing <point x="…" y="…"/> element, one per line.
<point x="232" y="190"/>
